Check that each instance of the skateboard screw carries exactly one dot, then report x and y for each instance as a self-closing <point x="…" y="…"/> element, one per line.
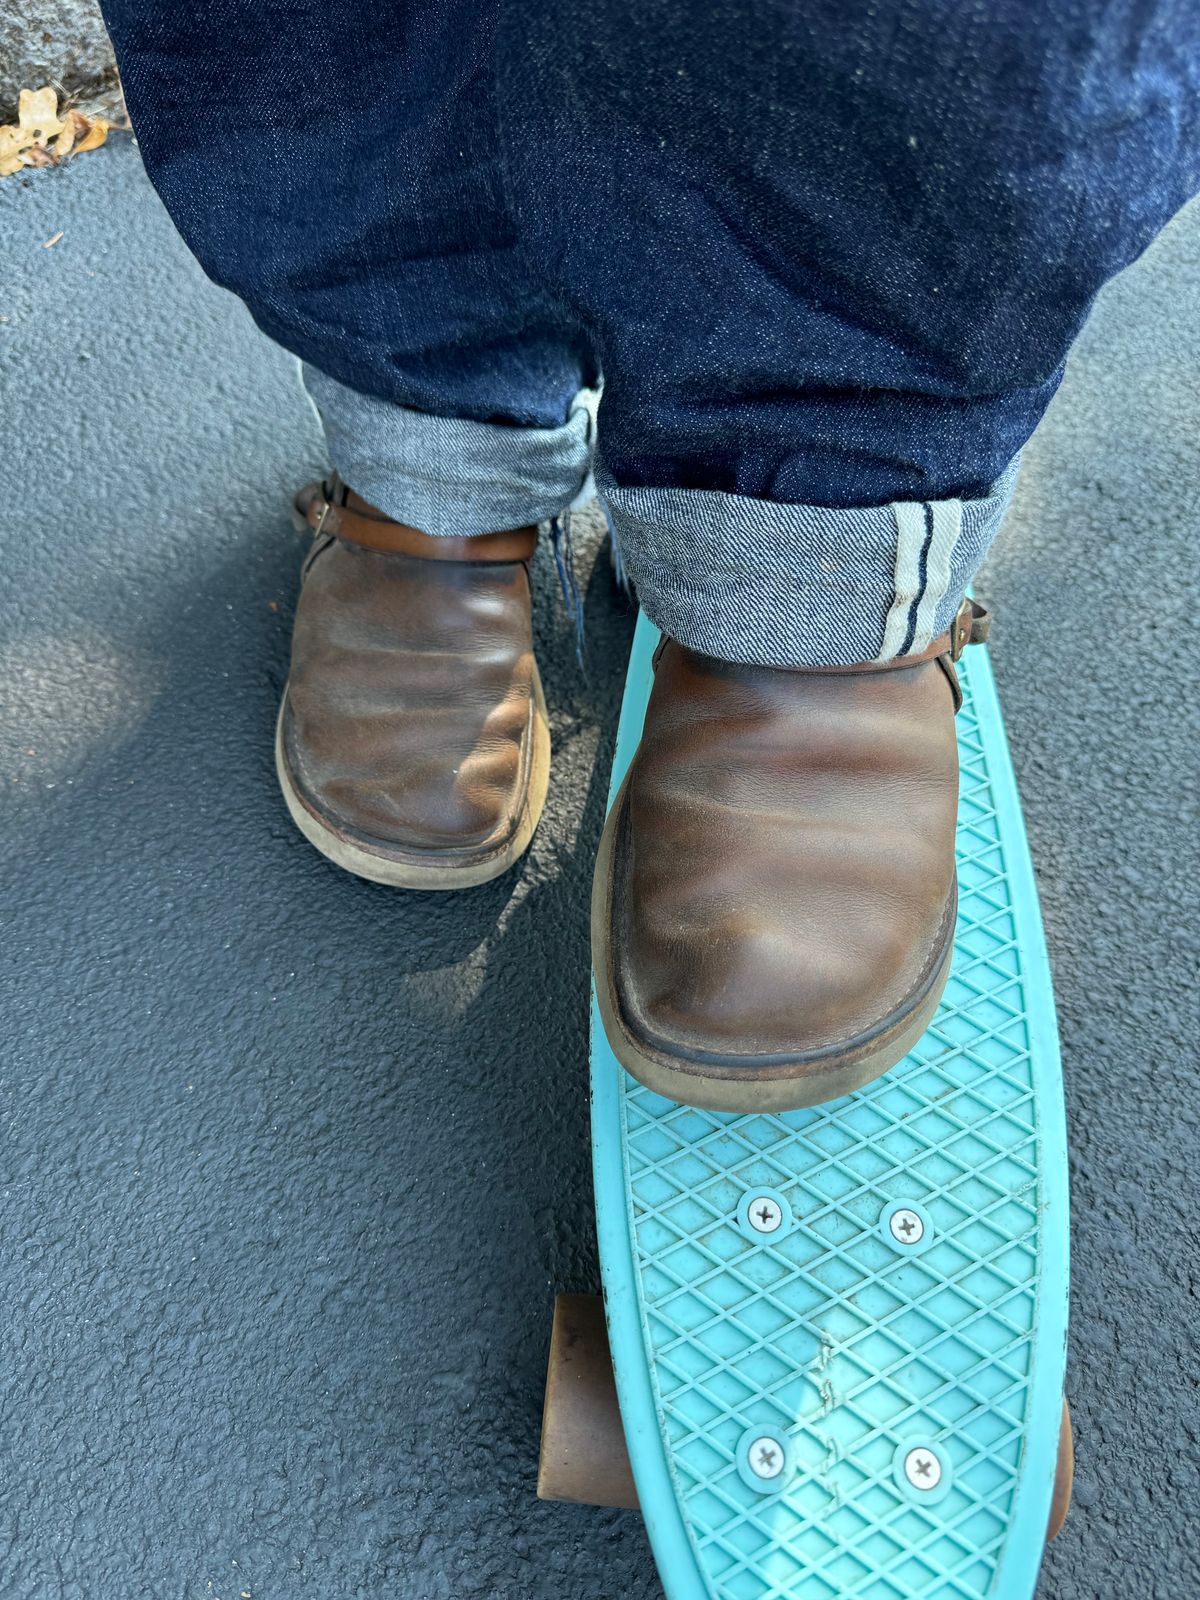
<point x="922" y="1469"/>
<point x="764" y="1214"/>
<point x="906" y="1227"/>
<point x="765" y="1458"/>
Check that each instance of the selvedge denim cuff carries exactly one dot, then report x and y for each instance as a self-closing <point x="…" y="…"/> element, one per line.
<point x="450" y="476"/>
<point x="771" y="584"/>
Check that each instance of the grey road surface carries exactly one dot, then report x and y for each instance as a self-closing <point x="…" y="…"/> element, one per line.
<point x="292" y="1166"/>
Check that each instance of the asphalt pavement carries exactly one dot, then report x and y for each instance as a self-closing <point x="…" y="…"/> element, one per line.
<point x="291" y="1165"/>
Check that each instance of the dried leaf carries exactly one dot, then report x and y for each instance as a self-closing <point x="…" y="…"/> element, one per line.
<point x="70" y="132"/>
<point x="37" y="114"/>
<point x="41" y="138"/>
<point x="95" y="136"/>
<point x="13" y="144"/>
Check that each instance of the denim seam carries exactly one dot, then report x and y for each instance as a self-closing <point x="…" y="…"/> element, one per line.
<point x="922" y="580"/>
<point x="945" y="529"/>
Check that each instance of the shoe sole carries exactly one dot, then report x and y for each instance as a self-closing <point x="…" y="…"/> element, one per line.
<point x="756" y="1089"/>
<point x="408" y="874"/>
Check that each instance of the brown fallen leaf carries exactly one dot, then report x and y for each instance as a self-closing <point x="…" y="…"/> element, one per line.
<point x="66" y="139"/>
<point x="95" y="136"/>
<point x="37" y="114"/>
<point x="12" y="143"/>
<point x="40" y="137"/>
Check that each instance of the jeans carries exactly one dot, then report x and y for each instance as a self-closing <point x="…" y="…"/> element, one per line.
<point x="825" y="259"/>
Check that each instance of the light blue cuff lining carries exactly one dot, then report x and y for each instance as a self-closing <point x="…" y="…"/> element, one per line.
<point x="450" y="476"/>
<point x="772" y="584"/>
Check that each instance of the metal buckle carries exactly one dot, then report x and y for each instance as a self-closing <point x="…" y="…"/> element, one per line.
<point x="960" y="630"/>
<point x="971" y="625"/>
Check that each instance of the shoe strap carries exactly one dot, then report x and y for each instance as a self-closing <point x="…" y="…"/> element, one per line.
<point x="333" y="510"/>
<point x="971" y="625"/>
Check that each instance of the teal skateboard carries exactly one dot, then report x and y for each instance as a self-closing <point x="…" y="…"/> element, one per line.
<point x="838" y="1334"/>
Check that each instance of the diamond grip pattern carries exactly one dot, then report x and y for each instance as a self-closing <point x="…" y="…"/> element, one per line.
<point x="833" y="1335"/>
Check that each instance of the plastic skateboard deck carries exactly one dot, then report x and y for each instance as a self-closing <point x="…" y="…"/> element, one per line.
<point x="839" y="1334"/>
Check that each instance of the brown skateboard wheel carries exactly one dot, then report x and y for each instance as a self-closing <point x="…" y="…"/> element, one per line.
<point x="583" y="1456"/>
<point x="1064" y="1476"/>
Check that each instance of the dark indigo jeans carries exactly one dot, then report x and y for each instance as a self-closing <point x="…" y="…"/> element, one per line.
<point x="828" y="257"/>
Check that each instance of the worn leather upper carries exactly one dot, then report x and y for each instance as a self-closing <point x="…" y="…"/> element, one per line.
<point x="407" y="720"/>
<point x="783" y="875"/>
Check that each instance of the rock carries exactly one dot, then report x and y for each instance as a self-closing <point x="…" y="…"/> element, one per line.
<point x="59" y="42"/>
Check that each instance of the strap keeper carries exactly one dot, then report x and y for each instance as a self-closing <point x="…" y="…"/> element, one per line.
<point x="332" y="512"/>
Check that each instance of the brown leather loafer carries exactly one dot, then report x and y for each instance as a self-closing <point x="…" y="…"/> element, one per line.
<point x="412" y="745"/>
<point x="775" y="896"/>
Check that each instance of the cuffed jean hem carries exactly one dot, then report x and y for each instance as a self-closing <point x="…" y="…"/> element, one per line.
<point x="781" y="585"/>
<point x="449" y="476"/>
